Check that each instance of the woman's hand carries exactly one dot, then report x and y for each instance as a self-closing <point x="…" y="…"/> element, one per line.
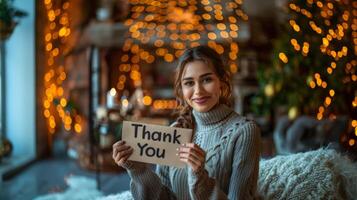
<point x="121" y="153"/>
<point x="193" y="155"/>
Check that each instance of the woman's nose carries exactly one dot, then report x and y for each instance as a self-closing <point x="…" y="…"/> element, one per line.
<point x="198" y="88"/>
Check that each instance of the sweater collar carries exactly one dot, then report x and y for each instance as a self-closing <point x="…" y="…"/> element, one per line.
<point x="211" y="118"/>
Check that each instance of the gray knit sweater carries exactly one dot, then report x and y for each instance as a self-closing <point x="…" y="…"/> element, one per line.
<point x="232" y="145"/>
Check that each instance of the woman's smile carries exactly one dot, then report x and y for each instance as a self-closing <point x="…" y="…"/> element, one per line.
<point x="201" y="100"/>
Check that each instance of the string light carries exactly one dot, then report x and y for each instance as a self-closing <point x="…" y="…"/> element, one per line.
<point x="283" y="57"/>
<point x="56" y="33"/>
<point x="172" y="26"/>
<point x="164" y="104"/>
<point x="331" y="36"/>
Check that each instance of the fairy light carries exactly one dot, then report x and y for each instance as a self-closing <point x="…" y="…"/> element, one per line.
<point x="172" y="26"/>
<point x="164" y="104"/>
<point x="56" y="32"/>
<point x="283" y="57"/>
<point x="147" y="100"/>
<point x="330" y="35"/>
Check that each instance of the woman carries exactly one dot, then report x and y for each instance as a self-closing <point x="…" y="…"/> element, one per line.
<point x="223" y="158"/>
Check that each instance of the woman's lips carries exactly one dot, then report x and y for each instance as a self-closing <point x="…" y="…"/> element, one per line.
<point x="201" y="100"/>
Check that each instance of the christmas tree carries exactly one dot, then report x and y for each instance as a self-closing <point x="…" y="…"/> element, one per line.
<point x="313" y="65"/>
<point x="313" y="68"/>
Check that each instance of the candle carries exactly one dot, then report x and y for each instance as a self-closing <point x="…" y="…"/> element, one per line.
<point x="111" y="98"/>
<point x="101" y="113"/>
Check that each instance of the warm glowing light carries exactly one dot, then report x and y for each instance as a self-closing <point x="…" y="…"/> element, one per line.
<point x="125" y="103"/>
<point x="55" y="52"/>
<point x="323" y="84"/>
<point x="293" y="42"/>
<point x="112" y="92"/>
<point x="46" y="113"/>
<point x="233" y="68"/>
<point x="329" y="70"/>
<point x="321" y="109"/>
<point x="212" y="36"/>
<point x="169" y="57"/>
<point x="317" y="75"/>
<point x="312" y="84"/>
<point x="296" y="27"/>
<point x="328" y="100"/>
<point x="325" y="42"/>
<point x="67" y="127"/>
<point x="120" y="86"/>
<point x="206" y="16"/>
<point x="164" y="104"/>
<point x="147" y="100"/>
<point x="56" y="31"/>
<point x="52" y="124"/>
<point x="63" y="102"/>
<point x="62" y="32"/>
<point x="46" y="104"/>
<point x="221" y="26"/>
<point x="68" y="120"/>
<point x="269" y="90"/>
<point x="354" y="102"/>
<point x="48" y="46"/>
<point x="77" y="128"/>
<point x="332" y="93"/>
<point x="48" y="37"/>
<point x="62" y="76"/>
<point x="283" y="57"/>
<point x="51" y="15"/>
<point x="293" y="113"/>
<point x="354" y="123"/>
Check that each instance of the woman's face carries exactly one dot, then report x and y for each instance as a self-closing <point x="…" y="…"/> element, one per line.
<point x="201" y="86"/>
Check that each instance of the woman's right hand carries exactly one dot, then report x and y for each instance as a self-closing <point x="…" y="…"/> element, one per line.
<point x="121" y="153"/>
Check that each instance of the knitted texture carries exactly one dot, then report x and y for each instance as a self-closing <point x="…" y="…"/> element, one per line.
<point x="232" y="145"/>
<point x="320" y="174"/>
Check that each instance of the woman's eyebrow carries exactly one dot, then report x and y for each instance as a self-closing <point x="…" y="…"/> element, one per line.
<point x="201" y="76"/>
<point x="206" y="74"/>
<point x="187" y="78"/>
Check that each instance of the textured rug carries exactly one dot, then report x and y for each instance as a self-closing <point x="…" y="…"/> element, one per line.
<point x="320" y="174"/>
<point x="83" y="188"/>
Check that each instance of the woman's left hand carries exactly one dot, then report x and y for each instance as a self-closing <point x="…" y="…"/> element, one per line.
<point x="193" y="155"/>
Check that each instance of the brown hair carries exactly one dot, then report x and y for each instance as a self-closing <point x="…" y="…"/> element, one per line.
<point x="211" y="58"/>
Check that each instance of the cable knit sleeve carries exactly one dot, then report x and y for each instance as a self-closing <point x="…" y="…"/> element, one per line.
<point x="202" y="186"/>
<point x="146" y="184"/>
<point x="245" y="167"/>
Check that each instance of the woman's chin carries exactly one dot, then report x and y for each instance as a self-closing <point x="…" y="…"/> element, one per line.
<point x="203" y="108"/>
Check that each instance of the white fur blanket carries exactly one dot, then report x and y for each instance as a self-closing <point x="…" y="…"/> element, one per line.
<point x="320" y="174"/>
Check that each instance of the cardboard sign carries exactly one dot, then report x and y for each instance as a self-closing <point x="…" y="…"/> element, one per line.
<point x="155" y="144"/>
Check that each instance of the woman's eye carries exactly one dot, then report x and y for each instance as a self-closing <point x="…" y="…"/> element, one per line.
<point x="207" y="80"/>
<point x="188" y="83"/>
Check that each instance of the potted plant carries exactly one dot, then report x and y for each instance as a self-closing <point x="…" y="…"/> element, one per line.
<point x="9" y="16"/>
